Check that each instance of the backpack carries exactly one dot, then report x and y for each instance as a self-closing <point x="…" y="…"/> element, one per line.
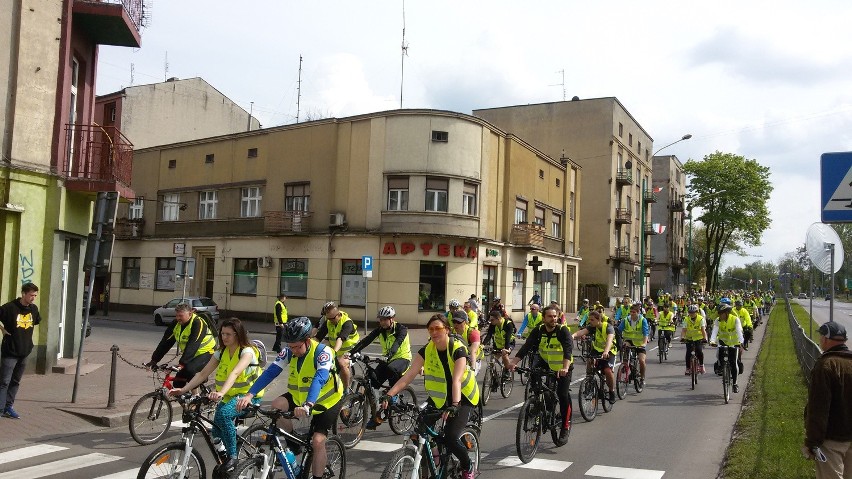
<point x="211" y="325"/>
<point x="260" y="349"/>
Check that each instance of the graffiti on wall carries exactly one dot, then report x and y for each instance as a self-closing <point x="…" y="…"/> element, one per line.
<point x="27" y="268"/>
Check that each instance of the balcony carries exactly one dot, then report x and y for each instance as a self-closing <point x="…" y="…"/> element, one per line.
<point x="649" y="259"/>
<point x="623" y="216"/>
<point x="287" y="221"/>
<point x="128" y="229"/>
<point x="649" y="196"/>
<point x="98" y="159"/>
<point x="684" y="261"/>
<point x="111" y="22"/>
<point x="621" y="253"/>
<point x="624" y="177"/>
<point x="676" y="205"/>
<point x="528" y="235"/>
<point x="649" y="229"/>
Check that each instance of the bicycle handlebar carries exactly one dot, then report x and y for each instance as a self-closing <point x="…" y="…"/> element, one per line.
<point x="269" y="412"/>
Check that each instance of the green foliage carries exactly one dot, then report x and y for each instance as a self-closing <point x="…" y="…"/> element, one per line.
<point x="732" y="193"/>
<point x="738" y="278"/>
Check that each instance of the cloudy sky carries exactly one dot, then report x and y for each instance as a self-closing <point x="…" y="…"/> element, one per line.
<point x="769" y="80"/>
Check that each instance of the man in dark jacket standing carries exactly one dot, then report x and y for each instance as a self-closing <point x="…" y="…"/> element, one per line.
<point x="828" y="414"/>
<point x="18" y="318"/>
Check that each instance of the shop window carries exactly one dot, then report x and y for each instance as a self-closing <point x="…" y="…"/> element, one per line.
<point x="245" y="276"/>
<point x="166" y="274"/>
<point x="436" y="194"/>
<point x="353" y="285"/>
<point x="518" y="289"/>
<point x="130" y="273"/>
<point x="294" y="278"/>
<point x="433" y="284"/>
<point x="398" y="194"/>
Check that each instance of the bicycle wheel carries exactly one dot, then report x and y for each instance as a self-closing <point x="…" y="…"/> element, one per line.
<point x="401" y="419"/>
<point x="726" y="382"/>
<point x="661" y="347"/>
<point x="470" y="440"/>
<point x="402" y="464"/>
<point x="622" y="379"/>
<point x="556" y="425"/>
<point x="150" y="418"/>
<point x="486" y="382"/>
<point x="587" y="398"/>
<point x="335" y="454"/>
<point x="507" y="382"/>
<point x="528" y="430"/>
<point x="250" y="439"/>
<point x="249" y="469"/>
<point x="693" y="367"/>
<point x="171" y="461"/>
<point x="352" y="419"/>
<point x="603" y="393"/>
<point x="525" y="363"/>
<point x="638" y="384"/>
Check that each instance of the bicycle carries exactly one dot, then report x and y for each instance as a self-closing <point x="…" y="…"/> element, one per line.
<point x="271" y="452"/>
<point x="662" y="347"/>
<point x="179" y="459"/>
<point x="694" y="364"/>
<point x="539" y="413"/>
<point x="593" y="391"/>
<point x="627" y="372"/>
<point x="652" y="325"/>
<point x="725" y="367"/>
<point x="361" y="402"/>
<point x="423" y="455"/>
<point x="151" y="416"/>
<point x="495" y="377"/>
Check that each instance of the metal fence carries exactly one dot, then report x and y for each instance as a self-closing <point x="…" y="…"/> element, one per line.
<point x="806" y="350"/>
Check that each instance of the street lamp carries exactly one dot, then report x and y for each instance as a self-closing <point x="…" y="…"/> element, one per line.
<point x="642" y="223"/>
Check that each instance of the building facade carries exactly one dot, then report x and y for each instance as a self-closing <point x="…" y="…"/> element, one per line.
<point x="614" y="151"/>
<point x="54" y="158"/>
<point x="669" y="248"/>
<point x="446" y="204"/>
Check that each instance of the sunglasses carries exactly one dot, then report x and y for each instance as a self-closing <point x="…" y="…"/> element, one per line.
<point x="435" y="329"/>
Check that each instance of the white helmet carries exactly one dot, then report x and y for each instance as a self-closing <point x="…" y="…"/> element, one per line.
<point x="454" y="303"/>
<point x="386" y="312"/>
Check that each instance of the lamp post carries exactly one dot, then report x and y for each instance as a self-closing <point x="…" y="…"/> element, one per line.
<point x="689" y="253"/>
<point x="642" y="222"/>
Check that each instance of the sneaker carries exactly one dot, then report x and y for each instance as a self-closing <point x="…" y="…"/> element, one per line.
<point x="372" y="424"/>
<point x="717" y="369"/>
<point x="641" y="383"/>
<point x="612" y="397"/>
<point x="701" y="369"/>
<point x="11" y="413"/>
<point x="736" y="388"/>
<point x="468" y="474"/>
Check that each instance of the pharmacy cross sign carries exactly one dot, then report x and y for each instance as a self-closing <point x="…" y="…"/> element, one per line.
<point x="535" y="263"/>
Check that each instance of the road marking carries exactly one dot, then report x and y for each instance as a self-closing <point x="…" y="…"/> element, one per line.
<point x="61" y="466"/>
<point x="128" y="474"/>
<point x="539" y="464"/>
<point x="501" y="412"/>
<point x="29" y="451"/>
<point x="377" y="446"/>
<point x="624" y="472"/>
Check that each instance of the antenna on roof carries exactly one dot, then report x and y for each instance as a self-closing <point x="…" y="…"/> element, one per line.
<point x="132" y="72"/>
<point x="561" y="84"/>
<point x="166" y="65"/>
<point x="404" y="54"/>
<point x="299" y="89"/>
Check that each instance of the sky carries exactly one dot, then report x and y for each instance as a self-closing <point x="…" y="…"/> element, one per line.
<point x="768" y="80"/>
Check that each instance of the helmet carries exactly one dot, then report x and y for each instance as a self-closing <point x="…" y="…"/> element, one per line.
<point x="496" y="298"/>
<point x="725" y="300"/>
<point x="454" y="303"/>
<point x="738" y="302"/>
<point x="296" y="330"/>
<point x="386" y="312"/>
<point x="693" y="308"/>
<point x="724" y="308"/>
<point x="327" y="306"/>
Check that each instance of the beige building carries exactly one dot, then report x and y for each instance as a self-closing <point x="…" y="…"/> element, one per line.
<point x="669" y="251"/>
<point x="615" y="154"/>
<point x="446" y="205"/>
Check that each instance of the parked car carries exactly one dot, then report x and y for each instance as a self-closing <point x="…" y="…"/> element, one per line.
<point x="803" y="295"/>
<point x="203" y="307"/>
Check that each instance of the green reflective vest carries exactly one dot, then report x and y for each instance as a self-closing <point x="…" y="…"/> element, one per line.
<point x="283" y="318"/>
<point x="334" y="332"/>
<point x="436" y="380"/>
<point x="550" y="349"/>
<point x="402" y="352"/>
<point x="599" y="343"/>
<point x="532" y="323"/>
<point x="666" y="321"/>
<point x="181" y="334"/>
<point x="694" y="331"/>
<point x="633" y="333"/>
<point x="227" y="363"/>
<point x="727" y="332"/>
<point x="299" y="382"/>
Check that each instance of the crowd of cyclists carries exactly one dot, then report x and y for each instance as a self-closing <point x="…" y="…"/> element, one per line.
<point x="319" y="373"/>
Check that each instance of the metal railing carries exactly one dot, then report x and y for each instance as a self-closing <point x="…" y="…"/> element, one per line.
<point x="807" y="351"/>
<point x="135" y="9"/>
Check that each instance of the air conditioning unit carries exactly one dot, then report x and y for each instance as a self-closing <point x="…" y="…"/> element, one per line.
<point x="264" y="262"/>
<point x="336" y="219"/>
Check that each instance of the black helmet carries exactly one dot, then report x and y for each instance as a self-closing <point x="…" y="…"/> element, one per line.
<point x="296" y="330"/>
<point x="724" y="308"/>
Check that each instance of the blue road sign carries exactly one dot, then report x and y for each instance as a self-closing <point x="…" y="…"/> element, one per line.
<point x="836" y="181"/>
<point x="367" y="263"/>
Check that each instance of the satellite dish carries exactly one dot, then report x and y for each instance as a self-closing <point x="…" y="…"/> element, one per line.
<point x="819" y="236"/>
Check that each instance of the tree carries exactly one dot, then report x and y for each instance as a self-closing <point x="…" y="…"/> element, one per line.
<point x="731" y="192"/>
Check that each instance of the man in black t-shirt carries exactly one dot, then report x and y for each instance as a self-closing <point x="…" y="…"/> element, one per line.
<point x="18" y="319"/>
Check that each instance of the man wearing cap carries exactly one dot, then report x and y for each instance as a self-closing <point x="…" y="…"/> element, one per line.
<point x="828" y="413"/>
<point x="470" y="337"/>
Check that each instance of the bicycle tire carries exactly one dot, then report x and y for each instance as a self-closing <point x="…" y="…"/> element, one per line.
<point x="403" y="422"/>
<point x="247" y="469"/>
<point x="587" y="398"/>
<point x="470" y="440"/>
<point x="726" y="382"/>
<point x="693" y="370"/>
<point x="556" y="426"/>
<point x="352" y="419"/>
<point x="622" y="378"/>
<point x="166" y="460"/>
<point x="253" y="436"/>
<point x="525" y="363"/>
<point x="661" y="347"/>
<point x="402" y="464"/>
<point x="150" y="418"/>
<point x="602" y="393"/>
<point x="335" y="454"/>
<point x="528" y="429"/>
<point x="486" y="383"/>
<point x="506" y="384"/>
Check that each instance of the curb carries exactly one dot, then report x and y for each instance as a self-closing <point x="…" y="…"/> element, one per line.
<point x="112" y="418"/>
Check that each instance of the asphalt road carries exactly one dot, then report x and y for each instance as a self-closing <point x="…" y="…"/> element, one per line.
<point x="667" y="431"/>
<point x="821" y="311"/>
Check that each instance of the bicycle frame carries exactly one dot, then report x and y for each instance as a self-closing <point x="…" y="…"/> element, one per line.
<point x="273" y="439"/>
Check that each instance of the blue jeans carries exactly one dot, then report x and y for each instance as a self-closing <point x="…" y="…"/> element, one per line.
<point x="11" y="372"/>
<point x="223" y="423"/>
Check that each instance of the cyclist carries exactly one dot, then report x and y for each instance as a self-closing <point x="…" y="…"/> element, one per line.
<point x="583" y="314"/>
<point x="396" y="348"/>
<point x="667" y="324"/>
<point x="472" y="316"/>
<point x="603" y="350"/>
<point x="194" y="341"/>
<point x="450" y="385"/>
<point x="621" y="312"/>
<point x="554" y="344"/>
<point x="279" y="316"/>
<point x="650" y="315"/>
<point x="313" y="387"/>
<point x="454" y="305"/>
<point x="694" y="334"/>
<point x="745" y="320"/>
<point x="729" y="332"/>
<point x="471" y="339"/>
<point x="634" y="330"/>
<point x="497" y="305"/>
<point x="501" y="335"/>
<point x="531" y="319"/>
<point x="237" y="366"/>
<point x="342" y="335"/>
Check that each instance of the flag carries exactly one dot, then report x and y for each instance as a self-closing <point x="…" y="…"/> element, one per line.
<point x="658" y="189"/>
<point x="659" y="229"/>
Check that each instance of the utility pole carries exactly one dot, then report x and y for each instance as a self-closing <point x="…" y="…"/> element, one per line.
<point x="403" y="55"/>
<point x="299" y="90"/>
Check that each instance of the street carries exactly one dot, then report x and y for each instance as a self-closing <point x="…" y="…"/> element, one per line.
<point x="821" y="311"/>
<point x="668" y="430"/>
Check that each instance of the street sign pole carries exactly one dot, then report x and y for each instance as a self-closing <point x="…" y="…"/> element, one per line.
<point x="366" y="272"/>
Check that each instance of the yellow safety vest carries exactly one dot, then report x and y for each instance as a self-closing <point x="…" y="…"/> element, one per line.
<point x="550" y="349"/>
<point x="404" y="350"/>
<point x="227" y="363"/>
<point x="745" y="317"/>
<point x="465" y="339"/>
<point x="436" y="379"/>
<point x="283" y="319"/>
<point x="633" y="333"/>
<point x="532" y="323"/>
<point x="500" y="334"/>
<point x="301" y="378"/>
<point x="728" y="331"/>
<point x="181" y="334"/>
<point x="599" y="342"/>
<point x="666" y="321"/>
<point x="334" y="332"/>
<point x="473" y="319"/>
<point x="693" y="328"/>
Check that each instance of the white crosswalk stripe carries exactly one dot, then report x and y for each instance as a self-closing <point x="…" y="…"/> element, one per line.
<point x="623" y="472"/>
<point x="377" y="446"/>
<point x="539" y="464"/>
<point x="60" y="466"/>
<point x="29" y="451"/>
<point x="128" y="474"/>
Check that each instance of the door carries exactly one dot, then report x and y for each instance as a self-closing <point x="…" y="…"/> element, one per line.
<point x="209" y="276"/>
<point x="63" y="301"/>
<point x="489" y="287"/>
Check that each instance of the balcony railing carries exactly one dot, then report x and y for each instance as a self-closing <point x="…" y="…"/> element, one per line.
<point x="649" y="196"/>
<point x="528" y="234"/>
<point x="97" y="159"/>
<point x="623" y="216"/>
<point x="287" y="221"/>
<point x="624" y="177"/>
<point x="111" y="22"/>
<point x="127" y="228"/>
<point x="648" y="259"/>
<point x="649" y="229"/>
<point x="621" y="254"/>
<point x="676" y="205"/>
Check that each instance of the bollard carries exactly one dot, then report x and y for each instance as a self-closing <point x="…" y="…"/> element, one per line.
<point x="111" y="400"/>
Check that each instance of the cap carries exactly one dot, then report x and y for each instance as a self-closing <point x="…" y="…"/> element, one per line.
<point x="833" y="330"/>
<point x="459" y="317"/>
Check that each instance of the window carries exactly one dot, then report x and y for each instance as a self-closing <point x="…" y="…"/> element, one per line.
<point x="520" y="211"/>
<point x="571" y="248"/>
<point x="440" y="136"/>
<point x="554" y="288"/>
<point x="166" y="274"/>
<point x="171" y="207"/>
<point x="541" y="174"/>
<point x="207" y="201"/>
<point x="436" y="194"/>
<point x="639" y="147"/>
<point x="208" y="158"/>
<point x="620" y="158"/>
<point x="433" y="283"/>
<point x="72" y="111"/>
<point x="620" y="130"/>
<point x="245" y="276"/>
<point x="469" y="199"/>
<point x="172" y="164"/>
<point x="130" y="273"/>
<point x="557" y="182"/>
<point x="571" y="206"/>
<point x="297" y="197"/>
<point x="252" y="153"/>
<point x="518" y="289"/>
<point x="539" y="216"/>
<point x="615" y="277"/>
<point x="353" y="285"/>
<point x="294" y="278"/>
<point x="630" y="139"/>
<point x="398" y="194"/>
<point x="556" y="225"/>
<point x="137" y="208"/>
<point x="250" y="202"/>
